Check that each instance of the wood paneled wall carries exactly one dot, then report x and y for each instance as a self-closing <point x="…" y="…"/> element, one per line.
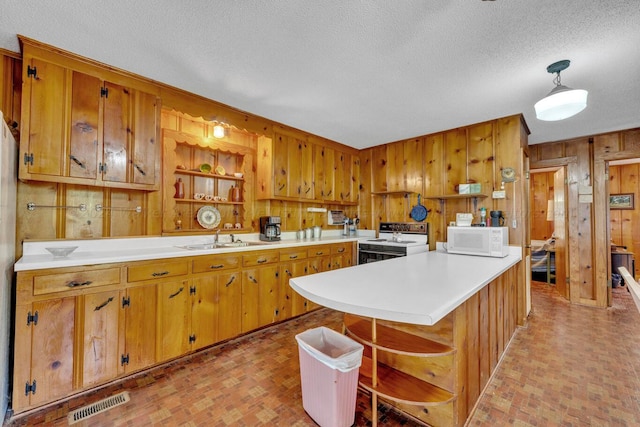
<point x="625" y="223"/>
<point x="586" y="160"/>
<point x="541" y="192"/>
<point x="392" y="175"/>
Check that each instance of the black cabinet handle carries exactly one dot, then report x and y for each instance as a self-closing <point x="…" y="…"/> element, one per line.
<point x="261" y="261"/>
<point x="75" y="284"/>
<point x="215" y="266"/>
<point x="161" y="273"/>
<point x="101" y="306"/>
<point x="142" y="172"/>
<point x="76" y="161"/>
<point x="253" y="279"/>
<point x="293" y="256"/>
<point x="230" y="281"/>
<point x="178" y="292"/>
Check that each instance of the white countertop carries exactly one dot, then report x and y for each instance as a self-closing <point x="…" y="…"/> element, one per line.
<point x="420" y="289"/>
<point x="112" y="250"/>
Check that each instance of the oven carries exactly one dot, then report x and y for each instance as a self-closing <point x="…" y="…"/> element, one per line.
<point x="395" y="239"/>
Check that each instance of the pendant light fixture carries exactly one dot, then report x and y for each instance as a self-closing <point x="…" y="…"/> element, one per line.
<point x="562" y="102"/>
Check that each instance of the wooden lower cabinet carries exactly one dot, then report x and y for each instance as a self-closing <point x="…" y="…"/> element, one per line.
<point x="43" y="366"/>
<point x="79" y="327"/>
<point x="259" y="297"/>
<point x="173" y="325"/>
<point x="138" y="331"/>
<point x="99" y="315"/>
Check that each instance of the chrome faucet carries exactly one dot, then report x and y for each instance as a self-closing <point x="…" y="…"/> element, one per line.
<point x="217" y="236"/>
<point x="232" y="238"/>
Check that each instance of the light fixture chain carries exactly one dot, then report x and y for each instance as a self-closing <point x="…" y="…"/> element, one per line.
<point x="556" y="80"/>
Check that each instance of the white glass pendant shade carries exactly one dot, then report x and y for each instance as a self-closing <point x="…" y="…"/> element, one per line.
<point x="218" y="131"/>
<point x="561" y="103"/>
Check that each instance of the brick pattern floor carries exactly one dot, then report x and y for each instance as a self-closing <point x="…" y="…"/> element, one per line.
<point x="570" y="366"/>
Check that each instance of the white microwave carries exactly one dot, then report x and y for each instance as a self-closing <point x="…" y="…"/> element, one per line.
<point x="483" y="241"/>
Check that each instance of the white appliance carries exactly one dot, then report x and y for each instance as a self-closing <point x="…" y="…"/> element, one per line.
<point x="8" y="185"/>
<point x="464" y="219"/>
<point x="395" y="239"/>
<point x="483" y="241"/>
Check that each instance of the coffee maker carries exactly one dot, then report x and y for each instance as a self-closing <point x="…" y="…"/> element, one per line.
<point x="270" y="228"/>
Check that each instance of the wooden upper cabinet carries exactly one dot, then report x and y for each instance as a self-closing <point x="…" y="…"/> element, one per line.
<point x="80" y="128"/>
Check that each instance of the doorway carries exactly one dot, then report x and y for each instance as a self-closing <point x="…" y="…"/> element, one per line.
<point x="549" y="236"/>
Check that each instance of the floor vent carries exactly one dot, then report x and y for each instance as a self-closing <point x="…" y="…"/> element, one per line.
<point x="97" y="407"/>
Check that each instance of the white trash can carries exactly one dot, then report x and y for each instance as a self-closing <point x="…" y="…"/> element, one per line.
<point x="329" y="363"/>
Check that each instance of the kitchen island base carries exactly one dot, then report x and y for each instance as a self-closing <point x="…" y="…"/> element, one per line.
<point x="436" y="374"/>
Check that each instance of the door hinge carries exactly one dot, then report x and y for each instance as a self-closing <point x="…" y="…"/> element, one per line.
<point x="126" y="302"/>
<point x="192" y="339"/>
<point x="28" y="159"/>
<point x="32" y="318"/>
<point x="30" y="388"/>
<point x="32" y="72"/>
<point x="104" y="92"/>
<point x="102" y="168"/>
<point x="192" y="290"/>
<point x="124" y="360"/>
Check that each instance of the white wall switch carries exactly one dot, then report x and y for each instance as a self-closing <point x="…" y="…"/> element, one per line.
<point x="500" y="194"/>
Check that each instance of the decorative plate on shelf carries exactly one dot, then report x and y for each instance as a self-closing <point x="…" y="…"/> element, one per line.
<point x="220" y="170"/>
<point x="208" y="217"/>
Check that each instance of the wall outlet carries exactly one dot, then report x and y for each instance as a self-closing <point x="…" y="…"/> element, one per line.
<point x="500" y="194"/>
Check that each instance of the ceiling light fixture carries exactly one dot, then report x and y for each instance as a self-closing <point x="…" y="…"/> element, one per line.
<point x="562" y="102"/>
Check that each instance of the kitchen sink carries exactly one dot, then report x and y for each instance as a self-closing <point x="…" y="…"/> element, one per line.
<point x="200" y="246"/>
<point x="241" y="244"/>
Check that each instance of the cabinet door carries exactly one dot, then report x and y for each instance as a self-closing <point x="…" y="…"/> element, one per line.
<point x="328" y="184"/>
<point x="306" y="174"/>
<point x="173" y="319"/>
<point x="259" y="297"/>
<point x="140" y="332"/>
<point x="229" y="305"/>
<point x="343" y="181"/>
<point x="116" y="133"/>
<point x="317" y="265"/>
<point x="83" y="139"/>
<point x="204" y="311"/>
<point x="290" y="302"/>
<point x="99" y="314"/>
<point x="281" y="166"/>
<point x="43" y="115"/>
<point x="146" y="151"/>
<point x="52" y="349"/>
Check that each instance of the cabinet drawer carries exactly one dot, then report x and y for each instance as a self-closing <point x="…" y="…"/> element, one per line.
<point x="293" y="254"/>
<point x="260" y="258"/>
<point x="320" y="250"/>
<point x="215" y="263"/>
<point x="159" y="270"/>
<point x="63" y="282"/>
<point x="341" y="248"/>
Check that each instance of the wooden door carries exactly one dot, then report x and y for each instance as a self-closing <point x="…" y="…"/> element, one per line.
<point x="116" y="129"/>
<point x="294" y="161"/>
<point x="317" y="264"/>
<point x="99" y="314"/>
<point x="560" y="231"/>
<point x="83" y="138"/>
<point x="204" y="311"/>
<point x="280" y="166"/>
<point x="43" y="116"/>
<point x="173" y="319"/>
<point x="290" y="302"/>
<point x="146" y="149"/>
<point x="307" y="170"/>
<point x="329" y="190"/>
<point x="259" y="297"/>
<point x="318" y="172"/>
<point x="140" y="333"/>
<point x="52" y="349"/>
<point x="229" y="304"/>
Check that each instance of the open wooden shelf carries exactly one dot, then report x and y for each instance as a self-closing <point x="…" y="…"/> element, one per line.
<point x="404" y="193"/>
<point x="207" y="175"/>
<point x="400" y="387"/>
<point x="393" y="340"/>
<point x="456" y="196"/>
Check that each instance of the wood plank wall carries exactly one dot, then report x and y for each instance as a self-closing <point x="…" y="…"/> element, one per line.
<point x="586" y="160"/>
<point x="434" y="165"/>
<point x="625" y="223"/>
<point x="541" y="192"/>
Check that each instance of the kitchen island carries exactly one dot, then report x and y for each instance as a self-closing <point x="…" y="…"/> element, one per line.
<point x="434" y="326"/>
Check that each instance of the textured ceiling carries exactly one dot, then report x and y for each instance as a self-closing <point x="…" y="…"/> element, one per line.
<point x="363" y="72"/>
